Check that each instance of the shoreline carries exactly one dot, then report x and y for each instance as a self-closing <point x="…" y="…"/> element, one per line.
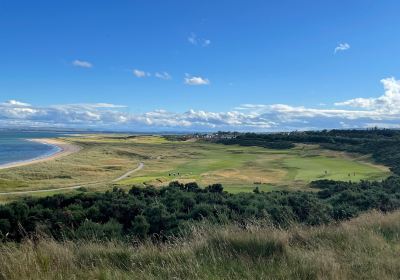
<point x="63" y="149"/>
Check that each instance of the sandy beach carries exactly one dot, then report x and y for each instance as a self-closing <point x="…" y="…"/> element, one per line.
<point x="65" y="149"/>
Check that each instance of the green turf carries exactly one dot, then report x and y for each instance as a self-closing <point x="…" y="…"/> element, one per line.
<point x="320" y="167"/>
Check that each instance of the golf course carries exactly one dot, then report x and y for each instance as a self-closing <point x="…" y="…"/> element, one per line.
<point x="105" y="160"/>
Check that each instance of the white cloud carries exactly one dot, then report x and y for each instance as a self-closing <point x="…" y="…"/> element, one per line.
<point x="196" y="80"/>
<point x="82" y="63"/>
<point x="342" y="47"/>
<point x="163" y="75"/>
<point x="141" y="73"/>
<point x="102" y="115"/>
<point x="194" y="40"/>
<point x="14" y="103"/>
<point x="381" y="111"/>
<point x="106" y="105"/>
<point x="388" y="103"/>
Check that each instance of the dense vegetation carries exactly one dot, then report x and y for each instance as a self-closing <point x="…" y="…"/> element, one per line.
<point x="363" y="248"/>
<point x="163" y="212"/>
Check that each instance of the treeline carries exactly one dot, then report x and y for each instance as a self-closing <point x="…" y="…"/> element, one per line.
<point x="158" y="213"/>
<point x="382" y="144"/>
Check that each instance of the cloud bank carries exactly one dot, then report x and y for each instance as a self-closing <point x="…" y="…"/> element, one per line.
<point x="382" y="111"/>
<point x="389" y="102"/>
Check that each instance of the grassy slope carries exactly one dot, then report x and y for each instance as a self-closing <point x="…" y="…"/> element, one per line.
<point x="105" y="158"/>
<point x="364" y="248"/>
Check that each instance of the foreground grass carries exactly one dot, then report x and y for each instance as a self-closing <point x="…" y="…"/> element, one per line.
<point x="367" y="247"/>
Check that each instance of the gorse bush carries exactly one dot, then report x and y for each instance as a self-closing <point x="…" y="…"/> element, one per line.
<point x="159" y="213"/>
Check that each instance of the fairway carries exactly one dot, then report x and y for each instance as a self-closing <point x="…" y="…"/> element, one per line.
<point x="104" y="158"/>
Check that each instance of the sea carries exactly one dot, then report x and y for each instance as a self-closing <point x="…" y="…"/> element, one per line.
<point x="16" y="147"/>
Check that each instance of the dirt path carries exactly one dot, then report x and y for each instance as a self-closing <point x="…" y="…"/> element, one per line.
<point x="39" y="191"/>
<point x="140" y="166"/>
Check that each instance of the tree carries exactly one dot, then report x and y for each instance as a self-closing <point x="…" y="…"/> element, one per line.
<point x="215" y="188"/>
<point x="192" y="187"/>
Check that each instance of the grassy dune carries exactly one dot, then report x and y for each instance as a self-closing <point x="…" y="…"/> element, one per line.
<point x="364" y="248"/>
<point x="106" y="157"/>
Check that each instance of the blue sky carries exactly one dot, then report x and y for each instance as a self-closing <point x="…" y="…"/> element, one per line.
<point x="199" y="65"/>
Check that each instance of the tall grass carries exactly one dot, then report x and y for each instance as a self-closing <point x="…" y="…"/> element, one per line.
<point x="367" y="247"/>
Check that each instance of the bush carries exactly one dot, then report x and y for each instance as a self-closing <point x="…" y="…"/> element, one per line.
<point x="111" y="230"/>
<point x="166" y="211"/>
<point x="140" y="227"/>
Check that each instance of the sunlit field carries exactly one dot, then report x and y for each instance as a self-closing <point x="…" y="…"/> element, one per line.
<point x="104" y="158"/>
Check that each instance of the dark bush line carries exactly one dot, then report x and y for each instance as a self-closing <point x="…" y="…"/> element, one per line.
<point x="150" y="212"/>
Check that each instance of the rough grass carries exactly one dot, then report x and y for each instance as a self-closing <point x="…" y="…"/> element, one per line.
<point x="367" y="247"/>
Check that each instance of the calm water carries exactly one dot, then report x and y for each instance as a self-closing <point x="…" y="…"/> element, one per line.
<point x="15" y="147"/>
